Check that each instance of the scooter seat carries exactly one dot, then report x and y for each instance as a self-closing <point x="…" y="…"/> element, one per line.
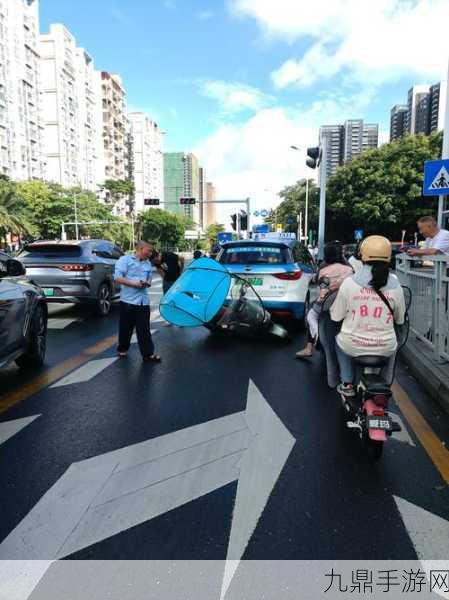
<point x="371" y="361"/>
<point x="375" y="384"/>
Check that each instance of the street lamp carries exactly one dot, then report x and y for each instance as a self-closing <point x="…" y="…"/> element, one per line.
<point x="306" y="219"/>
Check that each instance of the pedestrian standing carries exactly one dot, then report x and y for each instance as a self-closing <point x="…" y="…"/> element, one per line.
<point x="134" y="274"/>
<point x="170" y="267"/>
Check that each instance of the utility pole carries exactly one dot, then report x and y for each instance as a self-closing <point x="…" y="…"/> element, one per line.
<point x="323" y="183"/>
<point x="442" y="209"/>
<point x="306" y="221"/>
<point x="76" y="216"/>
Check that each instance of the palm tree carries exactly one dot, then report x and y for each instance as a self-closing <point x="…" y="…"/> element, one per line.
<point x="13" y="214"/>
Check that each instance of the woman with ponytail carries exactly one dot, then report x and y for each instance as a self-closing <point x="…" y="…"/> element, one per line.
<point x="369" y="303"/>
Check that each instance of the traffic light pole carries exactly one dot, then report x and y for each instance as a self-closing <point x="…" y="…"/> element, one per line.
<point x="323" y="183"/>
<point x="442" y="208"/>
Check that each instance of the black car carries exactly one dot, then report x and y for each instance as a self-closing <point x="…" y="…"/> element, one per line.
<point x="23" y="316"/>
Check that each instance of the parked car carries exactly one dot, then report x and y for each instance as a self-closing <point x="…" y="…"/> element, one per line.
<point x="74" y="271"/>
<point x="279" y="268"/>
<point x="23" y="316"/>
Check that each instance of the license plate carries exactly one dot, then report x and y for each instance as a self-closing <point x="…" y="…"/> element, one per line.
<point x="379" y="423"/>
<point x="256" y="281"/>
<point x="49" y="292"/>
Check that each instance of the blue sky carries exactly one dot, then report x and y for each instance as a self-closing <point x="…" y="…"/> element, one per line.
<point x="238" y="81"/>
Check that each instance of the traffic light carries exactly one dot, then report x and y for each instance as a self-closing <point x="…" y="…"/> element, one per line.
<point x="185" y="201"/>
<point x="314" y="157"/>
<point x="234" y="222"/>
<point x="243" y="221"/>
<point x="151" y="201"/>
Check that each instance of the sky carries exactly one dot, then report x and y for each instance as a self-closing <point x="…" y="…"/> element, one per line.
<point x="239" y="81"/>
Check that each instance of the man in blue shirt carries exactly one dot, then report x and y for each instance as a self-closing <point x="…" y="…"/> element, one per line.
<point x="133" y="274"/>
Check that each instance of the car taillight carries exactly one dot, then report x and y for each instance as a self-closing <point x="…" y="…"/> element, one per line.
<point x="381" y="401"/>
<point x="83" y="268"/>
<point x="294" y="276"/>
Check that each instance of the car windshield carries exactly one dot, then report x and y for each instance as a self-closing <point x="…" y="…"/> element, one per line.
<point x="51" y="251"/>
<point x="254" y="255"/>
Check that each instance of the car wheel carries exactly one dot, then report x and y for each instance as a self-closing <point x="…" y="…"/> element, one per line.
<point x="37" y="345"/>
<point x="104" y="300"/>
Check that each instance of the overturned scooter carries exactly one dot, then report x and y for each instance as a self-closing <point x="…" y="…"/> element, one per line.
<point x="208" y="295"/>
<point x="367" y="412"/>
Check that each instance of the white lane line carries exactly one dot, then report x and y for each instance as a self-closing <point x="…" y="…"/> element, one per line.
<point x="429" y="533"/>
<point x="10" y="428"/>
<point x="86" y="372"/>
<point x="104" y="495"/>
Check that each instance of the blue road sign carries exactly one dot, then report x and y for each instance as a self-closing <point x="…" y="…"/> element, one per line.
<point x="358" y="235"/>
<point x="265" y="228"/>
<point x="436" y="177"/>
<point x="264" y="213"/>
<point x="256" y="213"/>
<point x="224" y="236"/>
<point x="290" y="221"/>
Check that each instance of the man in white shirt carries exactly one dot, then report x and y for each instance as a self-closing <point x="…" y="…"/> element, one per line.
<point x="437" y="240"/>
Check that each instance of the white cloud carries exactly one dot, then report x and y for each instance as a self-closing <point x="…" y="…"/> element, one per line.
<point x="374" y="41"/>
<point x="246" y="160"/>
<point x="234" y="97"/>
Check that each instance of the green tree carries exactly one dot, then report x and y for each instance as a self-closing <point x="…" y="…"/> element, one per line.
<point x="381" y="191"/>
<point x="164" y="228"/>
<point x="50" y="205"/>
<point x="14" y="217"/>
<point x="120" y="188"/>
<point x="294" y="202"/>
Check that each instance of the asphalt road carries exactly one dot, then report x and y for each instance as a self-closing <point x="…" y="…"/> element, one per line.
<point x="254" y="461"/>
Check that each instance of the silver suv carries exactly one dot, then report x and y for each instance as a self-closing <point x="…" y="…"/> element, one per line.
<point x="77" y="272"/>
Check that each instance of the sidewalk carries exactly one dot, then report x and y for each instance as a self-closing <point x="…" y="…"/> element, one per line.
<point x="433" y="376"/>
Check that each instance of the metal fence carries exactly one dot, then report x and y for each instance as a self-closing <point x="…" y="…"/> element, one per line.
<point x="428" y="281"/>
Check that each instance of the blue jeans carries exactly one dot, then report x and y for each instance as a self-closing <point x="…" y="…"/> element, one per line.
<point x="346" y="364"/>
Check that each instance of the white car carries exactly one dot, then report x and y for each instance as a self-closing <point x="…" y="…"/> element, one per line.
<point x="279" y="268"/>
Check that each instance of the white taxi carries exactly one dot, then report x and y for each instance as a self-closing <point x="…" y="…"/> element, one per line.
<point x="278" y="267"/>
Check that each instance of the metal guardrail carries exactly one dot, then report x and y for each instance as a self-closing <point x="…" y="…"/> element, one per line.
<point x="428" y="279"/>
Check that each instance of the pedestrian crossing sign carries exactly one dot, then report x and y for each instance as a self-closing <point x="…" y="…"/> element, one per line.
<point x="436" y="178"/>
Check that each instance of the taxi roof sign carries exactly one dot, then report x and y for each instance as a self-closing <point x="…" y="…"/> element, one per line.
<point x="275" y="235"/>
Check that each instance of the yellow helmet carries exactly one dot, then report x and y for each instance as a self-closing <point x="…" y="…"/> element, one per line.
<point x="376" y="248"/>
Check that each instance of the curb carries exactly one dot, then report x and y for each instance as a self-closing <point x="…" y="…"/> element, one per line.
<point x="433" y="376"/>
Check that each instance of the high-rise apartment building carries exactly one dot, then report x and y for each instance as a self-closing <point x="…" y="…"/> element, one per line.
<point x="148" y="170"/>
<point x="21" y="135"/>
<point x="111" y="127"/>
<point x="182" y="179"/>
<point x="345" y="142"/>
<point x="69" y="110"/>
<point x="333" y="137"/>
<point x="87" y="126"/>
<point x="62" y="131"/>
<point x="425" y="111"/>
<point x="415" y="95"/>
<point x="437" y="106"/>
<point x="210" y="210"/>
<point x="398" y="120"/>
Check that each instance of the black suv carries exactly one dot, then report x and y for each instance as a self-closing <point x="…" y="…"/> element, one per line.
<point x="23" y="316"/>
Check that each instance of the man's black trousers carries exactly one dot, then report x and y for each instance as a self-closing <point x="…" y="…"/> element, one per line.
<point x="138" y="317"/>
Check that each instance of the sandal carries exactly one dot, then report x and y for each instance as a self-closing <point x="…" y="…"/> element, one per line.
<point x="304" y="354"/>
<point x="153" y="358"/>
